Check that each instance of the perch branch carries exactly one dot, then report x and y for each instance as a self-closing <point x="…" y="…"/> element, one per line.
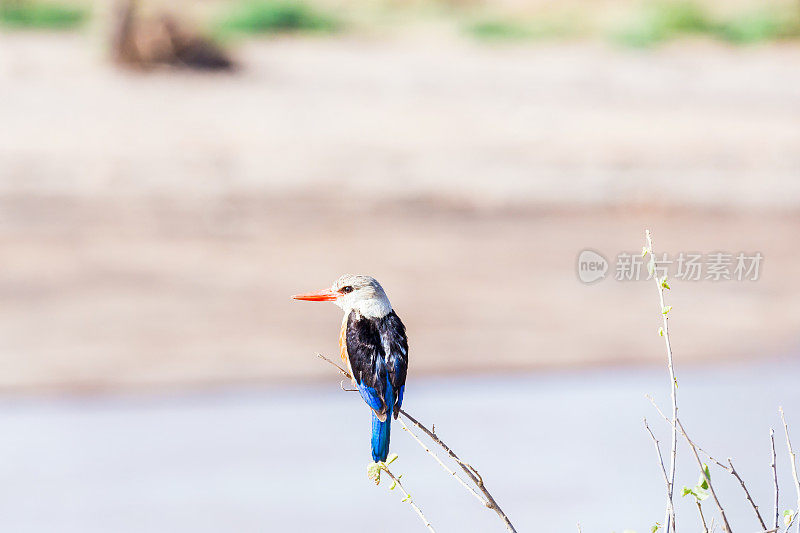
<point x="484" y="502"/>
<point x="467" y="468"/>
<point x="471" y="472"/>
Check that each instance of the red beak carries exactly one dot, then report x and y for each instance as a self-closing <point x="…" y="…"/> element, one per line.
<point x="325" y="295"/>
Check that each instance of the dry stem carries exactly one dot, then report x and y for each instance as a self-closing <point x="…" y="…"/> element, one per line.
<point x="670" y="512"/>
<point x="702" y="518"/>
<point x="409" y="499"/>
<point x="484" y="502"/>
<point x="747" y="494"/>
<point x="793" y="458"/>
<point x="693" y="447"/>
<point x="774" y="467"/>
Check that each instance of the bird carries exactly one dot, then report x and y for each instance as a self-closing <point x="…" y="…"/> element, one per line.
<point x="374" y="347"/>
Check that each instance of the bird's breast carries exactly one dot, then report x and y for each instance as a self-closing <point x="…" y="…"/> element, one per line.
<point x="343" y="348"/>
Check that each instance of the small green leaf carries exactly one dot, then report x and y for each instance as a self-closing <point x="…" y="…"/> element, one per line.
<point x="374" y="472"/>
<point x="644" y="251"/>
<point x="391" y="459"/>
<point x="703" y="483"/>
<point x="687" y="491"/>
<point x="788" y="516"/>
<point x="394" y="484"/>
<point x="664" y="283"/>
<point x="406" y="499"/>
<point x="660" y="332"/>
<point x="655" y="527"/>
<point x="666" y="310"/>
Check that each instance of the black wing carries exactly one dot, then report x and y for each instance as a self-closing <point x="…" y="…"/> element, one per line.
<point x="378" y="353"/>
<point x="395" y="344"/>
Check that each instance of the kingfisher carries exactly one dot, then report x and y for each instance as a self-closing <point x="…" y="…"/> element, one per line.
<point x="373" y="346"/>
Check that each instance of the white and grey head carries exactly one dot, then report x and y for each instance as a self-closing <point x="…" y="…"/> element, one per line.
<point x="353" y="292"/>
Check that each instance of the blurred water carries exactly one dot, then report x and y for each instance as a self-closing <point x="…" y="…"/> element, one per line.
<point x="555" y="449"/>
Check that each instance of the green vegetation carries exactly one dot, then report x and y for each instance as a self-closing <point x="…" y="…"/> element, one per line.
<point x="664" y="20"/>
<point x="36" y="14"/>
<point x="494" y="28"/>
<point x="652" y="23"/>
<point x="760" y="25"/>
<point x="277" y="16"/>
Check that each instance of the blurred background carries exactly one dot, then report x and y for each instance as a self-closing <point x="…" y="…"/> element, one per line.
<point x="170" y="172"/>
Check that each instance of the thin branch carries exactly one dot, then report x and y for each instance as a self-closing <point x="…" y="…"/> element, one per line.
<point x="747" y="494"/>
<point x="484" y="502"/>
<point x="692" y="445"/>
<point x="342" y="371"/>
<point x="729" y="467"/>
<point x="670" y="512"/>
<point x="471" y="472"/>
<point x="341" y="386"/>
<point x="702" y="518"/>
<point x="409" y="499"/>
<point x="699" y="449"/>
<point x="791" y="521"/>
<point x="793" y="458"/>
<point x="658" y="451"/>
<point x="774" y="467"/>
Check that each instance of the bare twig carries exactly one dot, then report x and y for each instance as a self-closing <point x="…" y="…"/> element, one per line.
<point x="702" y="518"/>
<point x="773" y="465"/>
<point x="747" y="494"/>
<point x="341" y="386"/>
<point x="729" y="467"/>
<point x="471" y="472"/>
<point x="658" y="451"/>
<point x="469" y="489"/>
<point x="409" y="499"/>
<point x="693" y="447"/>
<point x="792" y="457"/>
<point x="660" y="283"/>
<point x="342" y="371"/>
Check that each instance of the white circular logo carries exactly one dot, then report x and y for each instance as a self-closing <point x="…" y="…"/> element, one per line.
<point x="591" y="266"/>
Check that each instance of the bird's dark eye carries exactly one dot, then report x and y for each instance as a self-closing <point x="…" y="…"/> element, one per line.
<point x="345" y="290"/>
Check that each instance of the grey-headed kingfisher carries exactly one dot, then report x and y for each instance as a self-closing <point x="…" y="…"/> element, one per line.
<point x="373" y="345"/>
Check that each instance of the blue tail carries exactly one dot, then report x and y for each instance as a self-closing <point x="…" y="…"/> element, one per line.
<point x="380" y="437"/>
<point x="381" y="430"/>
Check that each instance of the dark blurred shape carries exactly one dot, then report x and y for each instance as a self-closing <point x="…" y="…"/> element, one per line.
<point x="144" y="43"/>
